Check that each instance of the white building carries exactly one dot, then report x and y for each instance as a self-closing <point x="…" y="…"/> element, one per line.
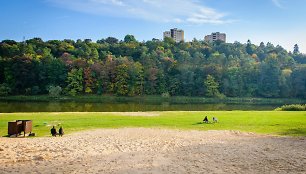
<point x="175" y="34"/>
<point x="215" y="36"/>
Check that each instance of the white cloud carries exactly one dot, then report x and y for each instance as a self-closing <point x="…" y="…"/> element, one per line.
<point x="208" y="15"/>
<point x="176" y="11"/>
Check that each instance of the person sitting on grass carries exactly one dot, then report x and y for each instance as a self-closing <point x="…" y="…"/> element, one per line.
<point x="53" y="132"/>
<point x="215" y="120"/>
<point x="205" y="119"/>
<point x="61" y="131"/>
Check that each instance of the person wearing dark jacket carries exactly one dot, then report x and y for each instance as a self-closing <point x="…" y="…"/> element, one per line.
<point x="61" y="131"/>
<point x="205" y="119"/>
<point x="53" y="131"/>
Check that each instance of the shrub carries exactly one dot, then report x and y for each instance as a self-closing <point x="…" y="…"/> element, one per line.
<point x="55" y="91"/>
<point x="4" y="89"/>
<point x="165" y="95"/>
<point x="293" y="107"/>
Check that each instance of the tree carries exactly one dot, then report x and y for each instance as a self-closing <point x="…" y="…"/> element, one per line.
<point x="296" y="49"/>
<point x="136" y="81"/>
<point x="212" y="87"/>
<point x="75" y="81"/>
<point x="53" y="72"/>
<point x="299" y="81"/>
<point x="285" y="83"/>
<point x="151" y="77"/>
<point x="270" y="74"/>
<point x="187" y="82"/>
<point x="94" y="53"/>
<point x="129" y="38"/>
<point x="154" y="67"/>
<point x="249" y="48"/>
<point x="233" y="82"/>
<point x="88" y="80"/>
<point x="25" y="73"/>
<point x="111" y="40"/>
<point x="121" y="80"/>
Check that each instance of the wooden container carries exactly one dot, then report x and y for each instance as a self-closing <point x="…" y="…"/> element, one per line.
<point x="27" y="126"/>
<point x="18" y="126"/>
<point x="15" y="128"/>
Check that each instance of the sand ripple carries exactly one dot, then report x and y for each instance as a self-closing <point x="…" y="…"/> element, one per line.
<point x="140" y="150"/>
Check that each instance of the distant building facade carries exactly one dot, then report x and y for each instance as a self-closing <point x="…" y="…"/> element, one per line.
<point x="176" y="34"/>
<point x="215" y="36"/>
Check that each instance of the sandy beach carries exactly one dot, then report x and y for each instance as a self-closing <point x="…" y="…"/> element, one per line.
<point x="141" y="150"/>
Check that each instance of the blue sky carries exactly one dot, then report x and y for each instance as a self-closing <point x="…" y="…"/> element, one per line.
<point x="280" y="22"/>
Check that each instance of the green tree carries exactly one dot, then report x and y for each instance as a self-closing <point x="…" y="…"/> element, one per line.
<point x="249" y="48"/>
<point x="299" y="81"/>
<point x="233" y="82"/>
<point x="25" y="73"/>
<point x="285" y="83"/>
<point x="270" y="74"/>
<point x="136" y="81"/>
<point x="296" y="49"/>
<point x="212" y="87"/>
<point x="129" y="38"/>
<point x="75" y="81"/>
<point x="53" y="72"/>
<point x="121" y="80"/>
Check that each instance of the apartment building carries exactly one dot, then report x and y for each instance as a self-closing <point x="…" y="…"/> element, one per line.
<point x="215" y="36"/>
<point x="176" y="34"/>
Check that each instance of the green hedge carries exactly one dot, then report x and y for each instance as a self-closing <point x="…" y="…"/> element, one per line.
<point x="294" y="107"/>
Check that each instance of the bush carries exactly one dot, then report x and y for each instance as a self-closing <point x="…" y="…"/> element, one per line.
<point x="4" y="89"/>
<point x="165" y="95"/>
<point x="55" y="91"/>
<point x="293" y="107"/>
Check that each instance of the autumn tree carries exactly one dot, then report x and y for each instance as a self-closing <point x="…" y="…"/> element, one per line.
<point x="88" y="80"/>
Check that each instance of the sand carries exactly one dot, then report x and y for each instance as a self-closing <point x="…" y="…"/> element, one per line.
<point x="141" y="150"/>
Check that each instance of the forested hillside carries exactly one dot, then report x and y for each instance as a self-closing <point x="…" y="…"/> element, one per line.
<point x="130" y="68"/>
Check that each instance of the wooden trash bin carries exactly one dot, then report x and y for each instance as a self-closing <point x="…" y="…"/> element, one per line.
<point x="18" y="126"/>
<point x="15" y="128"/>
<point x="27" y="126"/>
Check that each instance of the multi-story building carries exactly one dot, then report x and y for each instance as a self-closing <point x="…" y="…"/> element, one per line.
<point x="175" y="34"/>
<point x="215" y="36"/>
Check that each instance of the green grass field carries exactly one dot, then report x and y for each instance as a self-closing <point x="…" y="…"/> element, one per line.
<point x="262" y="122"/>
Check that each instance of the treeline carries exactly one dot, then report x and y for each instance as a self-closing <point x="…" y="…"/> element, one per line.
<point x="132" y="68"/>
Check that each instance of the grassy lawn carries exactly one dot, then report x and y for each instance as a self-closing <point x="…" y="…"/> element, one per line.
<point x="262" y="122"/>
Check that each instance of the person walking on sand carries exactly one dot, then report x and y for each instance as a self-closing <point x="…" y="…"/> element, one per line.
<point x="61" y="131"/>
<point x="205" y="119"/>
<point x="53" y="131"/>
